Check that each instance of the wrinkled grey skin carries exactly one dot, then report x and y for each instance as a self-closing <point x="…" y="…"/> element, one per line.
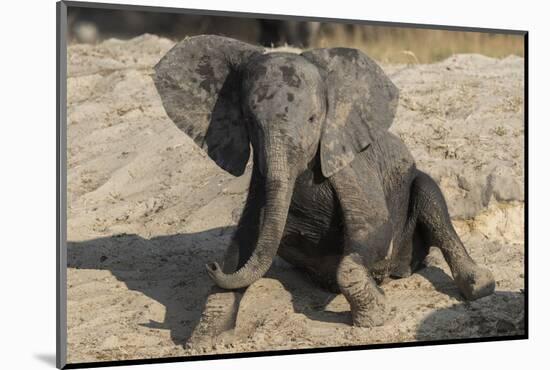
<point x="332" y="191"/>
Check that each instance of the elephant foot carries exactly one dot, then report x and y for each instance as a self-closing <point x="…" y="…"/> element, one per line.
<point x="475" y="282"/>
<point x="366" y="299"/>
<point x="372" y="310"/>
<point x="218" y="317"/>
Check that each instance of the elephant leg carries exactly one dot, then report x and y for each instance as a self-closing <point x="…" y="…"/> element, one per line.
<point x="367" y="238"/>
<point x="221" y="308"/>
<point x="366" y="299"/>
<point x="434" y="223"/>
<point x="218" y="317"/>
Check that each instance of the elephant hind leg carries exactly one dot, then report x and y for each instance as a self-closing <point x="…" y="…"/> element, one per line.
<point x="412" y="251"/>
<point x="434" y="224"/>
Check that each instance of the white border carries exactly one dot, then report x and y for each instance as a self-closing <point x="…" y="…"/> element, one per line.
<point x="28" y="180"/>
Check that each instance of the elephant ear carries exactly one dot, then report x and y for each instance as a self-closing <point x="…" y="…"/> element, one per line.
<point x="361" y="103"/>
<point x="198" y="81"/>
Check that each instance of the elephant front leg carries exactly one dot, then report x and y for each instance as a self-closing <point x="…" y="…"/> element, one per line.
<point x="366" y="299"/>
<point x="221" y="307"/>
<point x="368" y="234"/>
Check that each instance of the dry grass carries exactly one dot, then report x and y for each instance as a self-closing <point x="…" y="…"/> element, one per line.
<point x="412" y="46"/>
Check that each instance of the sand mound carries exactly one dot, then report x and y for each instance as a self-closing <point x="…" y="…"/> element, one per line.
<point x="147" y="209"/>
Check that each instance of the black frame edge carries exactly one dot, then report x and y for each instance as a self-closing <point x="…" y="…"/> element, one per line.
<point x="61" y="185"/>
<point x="526" y="179"/>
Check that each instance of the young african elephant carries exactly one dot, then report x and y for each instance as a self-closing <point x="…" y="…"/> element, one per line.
<point x="332" y="191"/>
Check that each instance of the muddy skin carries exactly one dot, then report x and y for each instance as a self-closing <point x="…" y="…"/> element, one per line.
<point x="332" y="191"/>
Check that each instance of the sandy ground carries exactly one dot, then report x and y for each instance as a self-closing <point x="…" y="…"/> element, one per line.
<point x="147" y="209"/>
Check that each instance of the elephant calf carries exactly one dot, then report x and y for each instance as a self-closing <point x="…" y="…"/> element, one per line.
<point x="332" y="191"/>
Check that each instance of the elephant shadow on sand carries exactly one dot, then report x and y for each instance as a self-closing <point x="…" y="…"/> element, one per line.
<point x="500" y="314"/>
<point x="170" y="270"/>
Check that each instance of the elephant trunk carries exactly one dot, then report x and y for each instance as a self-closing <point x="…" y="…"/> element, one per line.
<point x="279" y="185"/>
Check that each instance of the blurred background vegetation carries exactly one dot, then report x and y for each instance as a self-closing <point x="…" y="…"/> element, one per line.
<point x="383" y="43"/>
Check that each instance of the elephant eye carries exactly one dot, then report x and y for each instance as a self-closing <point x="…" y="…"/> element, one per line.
<point x="312" y="119"/>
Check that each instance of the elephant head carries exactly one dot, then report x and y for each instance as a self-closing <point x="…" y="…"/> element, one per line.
<point x="226" y="95"/>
